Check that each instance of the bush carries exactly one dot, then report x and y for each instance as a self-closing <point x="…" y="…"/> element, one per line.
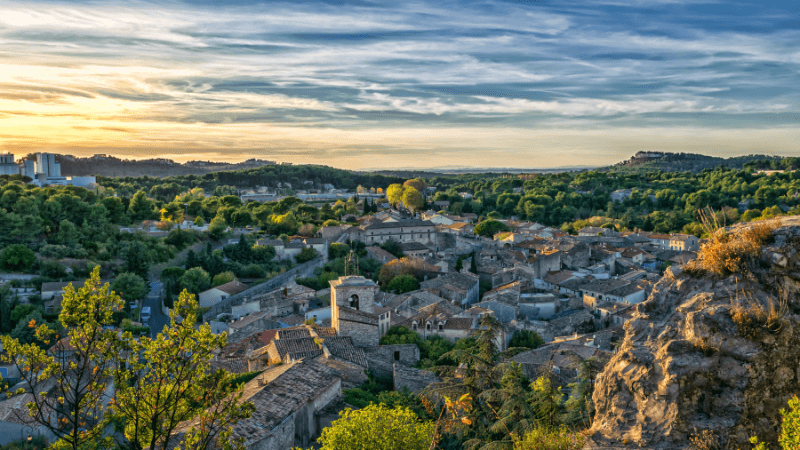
<point x="306" y="255"/>
<point x="17" y="257"/>
<point x="542" y="438"/>
<point x="729" y="253"/>
<point x="403" y="283"/>
<point x="378" y="427"/>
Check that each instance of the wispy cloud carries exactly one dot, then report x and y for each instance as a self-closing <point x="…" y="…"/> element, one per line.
<point x="335" y="81"/>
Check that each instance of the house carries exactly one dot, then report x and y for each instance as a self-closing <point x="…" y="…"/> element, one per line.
<point x="421" y="231"/>
<point x="442" y="204"/>
<point x="660" y="240"/>
<point x="219" y="293"/>
<point x="289" y="400"/>
<point x="415" y="249"/>
<point x="458" y="287"/>
<point x="615" y="290"/>
<point x="684" y="243"/>
<point x="51" y="289"/>
<point x="380" y="254"/>
<point x="438" y="219"/>
<point x="592" y="231"/>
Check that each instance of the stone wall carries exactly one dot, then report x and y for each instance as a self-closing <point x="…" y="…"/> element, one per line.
<point x="382" y="358"/>
<point x="412" y="379"/>
<point x="301" y="271"/>
<point x="282" y="437"/>
<point x="363" y="335"/>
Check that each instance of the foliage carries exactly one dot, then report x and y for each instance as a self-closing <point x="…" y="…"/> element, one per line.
<point x="525" y="339"/>
<point x="217" y="228"/>
<point x="544" y="438"/>
<point x="129" y="286"/>
<point x="402" y="284"/>
<point x="37" y="443"/>
<point x="393" y="248"/>
<point x="398" y="267"/>
<point x="338" y="250"/>
<point x="17" y="257"/>
<point x="165" y="381"/>
<point x="377" y="427"/>
<point x="83" y="361"/>
<point x="489" y="228"/>
<point x="306" y="255"/>
<point x="195" y="280"/>
<point x="738" y="252"/>
<point x="222" y="278"/>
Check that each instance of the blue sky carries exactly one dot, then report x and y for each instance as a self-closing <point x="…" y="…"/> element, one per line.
<point x="361" y="84"/>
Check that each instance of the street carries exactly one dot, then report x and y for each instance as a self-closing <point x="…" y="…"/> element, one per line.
<point x="157" y="319"/>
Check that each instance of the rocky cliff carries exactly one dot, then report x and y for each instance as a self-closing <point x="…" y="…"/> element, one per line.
<point x="707" y="357"/>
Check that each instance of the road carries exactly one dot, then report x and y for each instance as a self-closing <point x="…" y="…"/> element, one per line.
<point x="157" y="318"/>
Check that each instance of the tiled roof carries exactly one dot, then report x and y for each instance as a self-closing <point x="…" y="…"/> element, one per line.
<point x="231" y="365"/>
<point x="294" y="333"/>
<point x="342" y="347"/>
<point x="458" y="323"/>
<point x="232" y="287"/>
<point x="403" y="224"/>
<point x="240" y="349"/>
<point x="276" y="394"/>
<point x="296" y="348"/>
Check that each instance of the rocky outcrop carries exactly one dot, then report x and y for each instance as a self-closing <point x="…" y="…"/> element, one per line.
<point x="706" y="355"/>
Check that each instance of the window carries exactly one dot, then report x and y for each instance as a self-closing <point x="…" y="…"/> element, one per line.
<point x="428" y="326"/>
<point x="397" y="356"/>
<point x="441" y="327"/>
<point x="414" y="326"/>
<point x="353" y="300"/>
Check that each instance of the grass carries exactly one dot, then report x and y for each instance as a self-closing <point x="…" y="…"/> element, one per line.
<point x="733" y="253"/>
<point x="753" y="315"/>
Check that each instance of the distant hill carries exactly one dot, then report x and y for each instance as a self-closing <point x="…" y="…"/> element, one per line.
<point x="682" y="162"/>
<point x="111" y="166"/>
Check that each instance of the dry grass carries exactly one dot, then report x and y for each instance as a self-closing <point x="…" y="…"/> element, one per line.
<point x="730" y="253"/>
<point x="752" y="315"/>
<point x="704" y="440"/>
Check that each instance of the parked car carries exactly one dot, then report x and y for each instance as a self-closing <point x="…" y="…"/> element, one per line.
<point x="145" y="316"/>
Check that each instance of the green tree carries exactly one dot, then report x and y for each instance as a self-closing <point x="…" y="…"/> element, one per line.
<point x="412" y="199"/>
<point x="525" y="339"/>
<point x="378" y="427"/>
<point x="579" y="406"/>
<point x="489" y="228"/>
<point x="338" y="250"/>
<point x="141" y="207"/>
<point x="222" y="278"/>
<point x="6" y="324"/>
<point x="306" y="255"/>
<point x="167" y="380"/>
<point x="136" y="260"/>
<point x="403" y="283"/>
<point x="217" y="227"/>
<point x="473" y="264"/>
<point x="400" y="335"/>
<point x="17" y="257"/>
<point x="195" y="280"/>
<point x="77" y="374"/>
<point x="394" y="193"/>
<point x="22" y="310"/>
<point x="129" y="286"/>
<point x="172" y="274"/>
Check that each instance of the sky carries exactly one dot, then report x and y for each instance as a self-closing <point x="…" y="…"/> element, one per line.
<point x="391" y="84"/>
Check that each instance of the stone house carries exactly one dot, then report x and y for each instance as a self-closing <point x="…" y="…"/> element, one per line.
<point x="415" y="250"/>
<point x="404" y="231"/>
<point x="288" y="401"/>
<point x="684" y="243"/>
<point x="219" y="293"/>
<point x="615" y="290"/>
<point x="461" y="288"/>
<point x="380" y="254"/>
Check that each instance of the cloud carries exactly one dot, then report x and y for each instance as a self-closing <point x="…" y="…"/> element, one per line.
<point x="80" y="73"/>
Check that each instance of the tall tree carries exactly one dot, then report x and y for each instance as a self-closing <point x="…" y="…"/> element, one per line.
<point x="76" y="371"/>
<point x="168" y="380"/>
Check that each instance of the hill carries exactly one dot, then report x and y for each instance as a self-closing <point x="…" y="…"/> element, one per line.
<point x="682" y="162"/>
<point x="111" y="166"/>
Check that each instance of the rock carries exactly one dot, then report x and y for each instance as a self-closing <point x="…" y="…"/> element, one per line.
<point x="687" y="365"/>
<point x="674" y="271"/>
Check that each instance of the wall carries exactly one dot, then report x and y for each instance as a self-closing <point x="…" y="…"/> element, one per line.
<point x="301" y="271"/>
<point x="381" y="358"/>
<point x="412" y="379"/>
<point x="363" y="335"/>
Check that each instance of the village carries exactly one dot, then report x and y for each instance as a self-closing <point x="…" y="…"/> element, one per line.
<point x="576" y="292"/>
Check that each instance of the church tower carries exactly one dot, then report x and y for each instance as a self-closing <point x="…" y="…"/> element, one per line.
<point x="353" y="309"/>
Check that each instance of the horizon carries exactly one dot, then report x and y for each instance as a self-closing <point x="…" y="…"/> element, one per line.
<point x="406" y="86"/>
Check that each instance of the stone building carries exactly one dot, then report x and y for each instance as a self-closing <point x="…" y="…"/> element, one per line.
<point x="461" y="288"/>
<point x="353" y="309"/>
<point x="288" y="402"/>
<point x="421" y="231"/>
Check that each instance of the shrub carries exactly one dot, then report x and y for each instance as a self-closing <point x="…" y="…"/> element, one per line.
<point x="542" y="438"/>
<point x="729" y="253"/>
<point x="752" y="315"/>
